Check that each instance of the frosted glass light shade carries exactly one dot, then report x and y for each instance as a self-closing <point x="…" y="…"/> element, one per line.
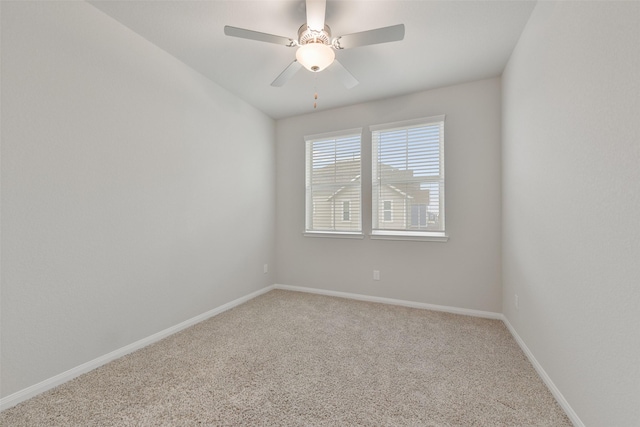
<point x="315" y="56"/>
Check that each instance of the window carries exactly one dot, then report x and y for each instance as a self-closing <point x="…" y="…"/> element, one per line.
<point x="333" y="185"/>
<point x="418" y="216"/>
<point x="408" y="179"/>
<point x="345" y="211"/>
<point x="387" y="210"/>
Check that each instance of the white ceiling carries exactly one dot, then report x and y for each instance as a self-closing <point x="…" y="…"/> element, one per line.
<point x="446" y="42"/>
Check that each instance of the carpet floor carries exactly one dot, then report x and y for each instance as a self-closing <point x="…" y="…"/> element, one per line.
<point x="297" y="359"/>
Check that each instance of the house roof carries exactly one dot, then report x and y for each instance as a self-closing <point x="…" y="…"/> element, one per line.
<point x="354" y="164"/>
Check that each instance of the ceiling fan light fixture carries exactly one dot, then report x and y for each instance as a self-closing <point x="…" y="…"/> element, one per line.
<point x="315" y="57"/>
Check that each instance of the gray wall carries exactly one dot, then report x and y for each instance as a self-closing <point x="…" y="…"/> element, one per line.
<point x="136" y="194"/>
<point x="465" y="271"/>
<point x="571" y="202"/>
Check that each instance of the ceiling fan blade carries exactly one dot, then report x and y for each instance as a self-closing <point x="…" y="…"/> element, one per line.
<point x="364" y="38"/>
<point x="316" y="10"/>
<point x="343" y="74"/>
<point x="287" y="74"/>
<point x="255" y="35"/>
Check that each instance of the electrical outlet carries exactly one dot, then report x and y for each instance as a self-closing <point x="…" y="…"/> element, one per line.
<point x="265" y="269"/>
<point x="517" y="301"/>
<point x="376" y="274"/>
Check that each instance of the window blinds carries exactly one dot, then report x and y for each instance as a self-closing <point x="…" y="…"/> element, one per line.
<point x="333" y="184"/>
<point x="408" y="176"/>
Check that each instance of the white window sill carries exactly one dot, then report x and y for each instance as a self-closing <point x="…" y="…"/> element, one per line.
<point x="425" y="236"/>
<point x="334" y="234"/>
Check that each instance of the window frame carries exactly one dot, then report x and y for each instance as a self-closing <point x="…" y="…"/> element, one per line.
<point x="408" y="233"/>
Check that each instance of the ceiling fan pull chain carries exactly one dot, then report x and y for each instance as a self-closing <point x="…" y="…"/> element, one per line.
<point x="315" y="90"/>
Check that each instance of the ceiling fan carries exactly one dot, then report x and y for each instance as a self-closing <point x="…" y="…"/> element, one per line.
<point x="316" y="47"/>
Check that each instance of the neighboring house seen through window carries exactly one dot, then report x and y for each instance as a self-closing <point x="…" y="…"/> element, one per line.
<point x="408" y="178"/>
<point x="333" y="185"/>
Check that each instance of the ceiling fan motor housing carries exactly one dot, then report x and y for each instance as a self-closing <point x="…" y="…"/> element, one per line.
<point x="307" y="35"/>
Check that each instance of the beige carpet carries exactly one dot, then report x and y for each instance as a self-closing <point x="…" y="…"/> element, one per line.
<point x="290" y="358"/>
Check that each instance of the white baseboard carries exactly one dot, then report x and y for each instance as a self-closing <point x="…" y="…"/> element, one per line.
<point x="391" y="301"/>
<point x="29" y="392"/>
<point x="547" y="380"/>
